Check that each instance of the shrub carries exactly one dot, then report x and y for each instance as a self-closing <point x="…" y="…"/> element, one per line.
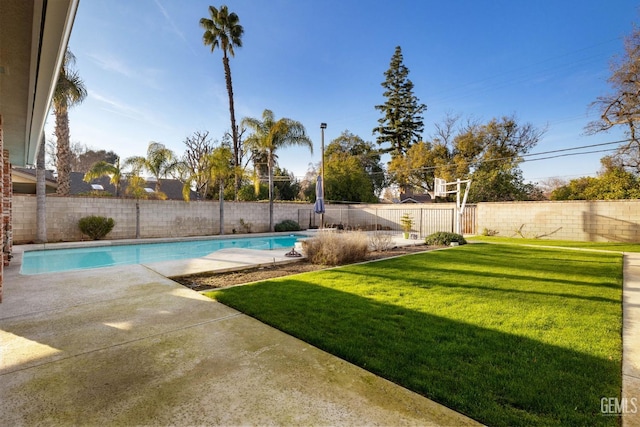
<point x="246" y="226"/>
<point x="407" y="222"/>
<point x="336" y="248"/>
<point x="381" y="241"/>
<point x="96" y="227"/>
<point x="287" y="225"/>
<point x="444" y="238"/>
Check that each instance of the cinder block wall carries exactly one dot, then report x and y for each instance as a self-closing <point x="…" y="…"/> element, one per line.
<point x="617" y="220"/>
<point x="600" y="220"/>
<point x="158" y="218"/>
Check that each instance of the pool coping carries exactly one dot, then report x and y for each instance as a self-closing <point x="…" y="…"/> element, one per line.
<point x="148" y="240"/>
<point x="222" y="261"/>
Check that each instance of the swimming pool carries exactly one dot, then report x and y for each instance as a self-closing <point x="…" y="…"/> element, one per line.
<point x="56" y="260"/>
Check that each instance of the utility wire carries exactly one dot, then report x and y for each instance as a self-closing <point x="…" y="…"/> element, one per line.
<point x="577" y="148"/>
<point x="571" y="154"/>
<point x="555" y="152"/>
<point x="555" y="156"/>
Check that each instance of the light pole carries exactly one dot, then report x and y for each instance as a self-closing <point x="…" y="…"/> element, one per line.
<point x="323" y="126"/>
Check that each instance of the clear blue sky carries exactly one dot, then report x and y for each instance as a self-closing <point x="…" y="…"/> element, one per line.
<point x="150" y="78"/>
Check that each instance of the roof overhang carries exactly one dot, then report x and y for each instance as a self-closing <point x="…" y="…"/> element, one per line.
<point x="33" y="39"/>
<point x="24" y="182"/>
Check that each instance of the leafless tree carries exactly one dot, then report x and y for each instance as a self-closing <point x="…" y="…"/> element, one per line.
<point x="622" y="106"/>
<point x="83" y="157"/>
<point x="196" y="156"/>
<point x="547" y="185"/>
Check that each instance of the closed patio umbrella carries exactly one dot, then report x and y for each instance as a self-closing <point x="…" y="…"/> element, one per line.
<point x="318" y="207"/>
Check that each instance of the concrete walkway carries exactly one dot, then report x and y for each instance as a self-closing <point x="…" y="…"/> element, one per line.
<point x="127" y="346"/>
<point x="631" y="339"/>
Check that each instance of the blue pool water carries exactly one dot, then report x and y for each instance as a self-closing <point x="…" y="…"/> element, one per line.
<point x="55" y="260"/>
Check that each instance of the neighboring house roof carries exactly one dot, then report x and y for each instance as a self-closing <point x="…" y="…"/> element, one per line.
<point x="23" y="181"/>
<point x="415" y="198"/>
<point x="171" y="187"/>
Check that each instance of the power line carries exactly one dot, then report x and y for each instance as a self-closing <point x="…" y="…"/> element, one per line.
<point x="563" y="152"/>
<point x="570" y="154"/>
<point x="577" y="148"/>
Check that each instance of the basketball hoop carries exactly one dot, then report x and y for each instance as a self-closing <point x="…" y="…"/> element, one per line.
<point x="440" y="187"/>
<point x="440" y="190"/>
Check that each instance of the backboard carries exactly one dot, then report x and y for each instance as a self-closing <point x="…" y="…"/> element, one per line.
<point x="439" y="187"/>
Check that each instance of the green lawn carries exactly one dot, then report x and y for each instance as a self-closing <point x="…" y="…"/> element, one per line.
<point x="603" y="246"/>
<point x="508" y="335"/>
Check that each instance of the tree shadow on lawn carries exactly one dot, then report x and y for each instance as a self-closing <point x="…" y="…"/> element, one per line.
<point x="496" y="378"/>
<point x="545" y="259"/>
<point x="453" y="267"/>
<point x="493" y="287"/>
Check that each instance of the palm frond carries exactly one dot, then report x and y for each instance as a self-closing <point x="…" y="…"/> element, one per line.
<point x="136" y="163"/>
<point x="70" y="89"/>
<point x="100" y="169"/>
<point x="222" y="30"/>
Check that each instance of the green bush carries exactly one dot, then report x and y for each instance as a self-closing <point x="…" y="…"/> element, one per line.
<point x="287" y="225"/>
<point x="330" y="248"/>
<point x="444" y="238"/>
<point x="96" y="227"/>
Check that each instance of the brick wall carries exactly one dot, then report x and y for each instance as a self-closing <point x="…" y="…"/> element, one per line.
<point x="600" y="220"/>
<point x="1" y="205"/>
<point x="7" y="192"/>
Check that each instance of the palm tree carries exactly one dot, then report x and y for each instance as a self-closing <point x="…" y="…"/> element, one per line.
<point x="103" y="168"/>
<point x="135" y="188"/>
<point x="69" y="91"/>
<point x="160" y="161"/>
<point x="221" y="169"/>
<point x="223" y="31"/>
<point x="269" y="136"/>
<point x="41" y="196"/>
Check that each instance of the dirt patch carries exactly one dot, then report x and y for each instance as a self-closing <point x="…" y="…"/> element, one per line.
<point x="213" y="280"/>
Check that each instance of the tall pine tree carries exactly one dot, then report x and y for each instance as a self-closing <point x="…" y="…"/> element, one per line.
<point x="401" y="126"/>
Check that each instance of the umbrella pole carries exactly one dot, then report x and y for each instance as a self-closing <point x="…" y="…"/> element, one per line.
<point x="323" y="126"/>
